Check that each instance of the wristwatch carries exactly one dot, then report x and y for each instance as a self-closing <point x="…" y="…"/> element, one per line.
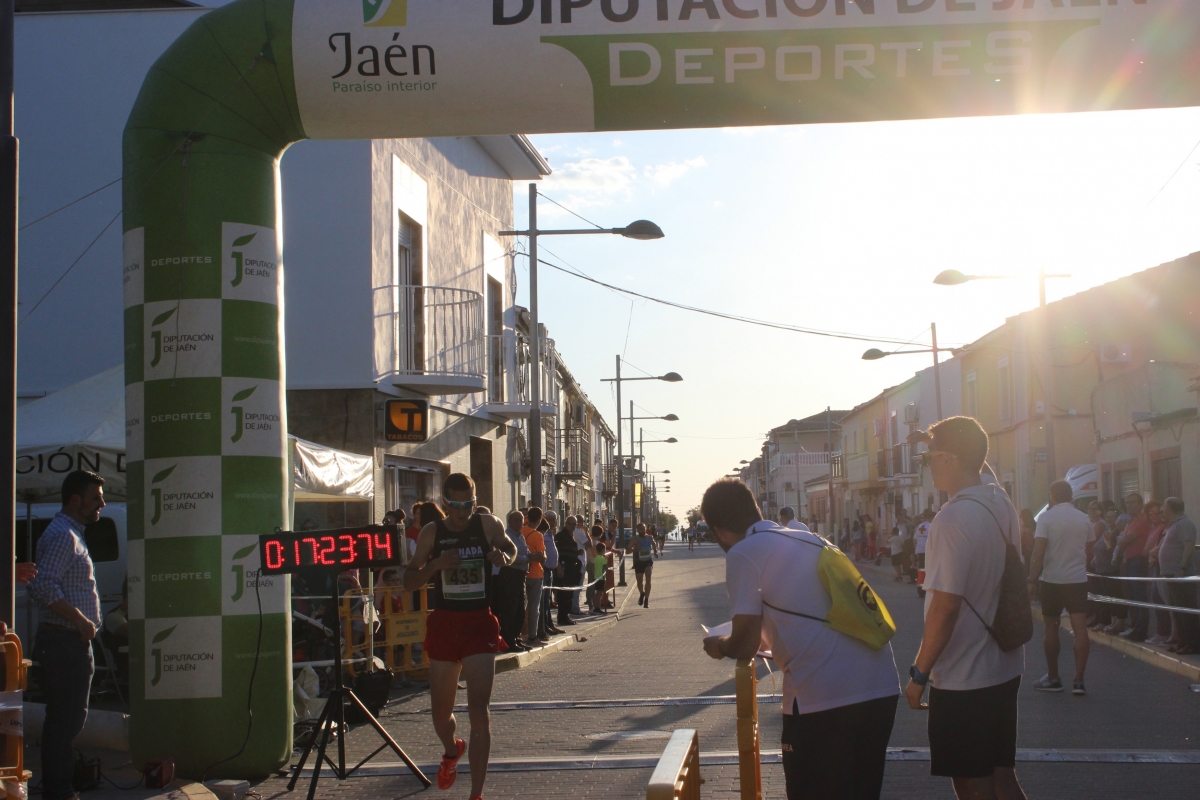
<point x="918" y="677"/>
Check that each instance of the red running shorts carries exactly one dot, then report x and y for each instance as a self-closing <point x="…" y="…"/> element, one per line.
<point x="455" y="635"/>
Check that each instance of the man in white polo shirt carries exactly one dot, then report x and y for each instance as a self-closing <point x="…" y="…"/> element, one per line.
<point x="1062" y="548"/>
<point x="787" y="518"/>
<point x="973" y="701"/>
<point x="839" y="695"/>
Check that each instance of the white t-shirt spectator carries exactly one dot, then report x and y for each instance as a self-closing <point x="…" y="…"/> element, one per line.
<point x="1067" y="532"/>
<point x="896" y="543"/>
<point x="796" y="525"/>
<point x="822" y="668"/>
<point x="581" y="538"/>
<point x="921" y="536"/>
<point x="1170" y="555"/>
<point x="965" y="556"/>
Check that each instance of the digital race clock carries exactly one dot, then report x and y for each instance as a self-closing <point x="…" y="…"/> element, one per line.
<point x="348" y="548"/>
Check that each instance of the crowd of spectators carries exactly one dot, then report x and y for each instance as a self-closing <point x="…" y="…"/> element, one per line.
<point x="1144" y="539"/>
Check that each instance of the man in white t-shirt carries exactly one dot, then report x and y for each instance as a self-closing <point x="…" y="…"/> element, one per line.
<point x="787" y="518"/>
<point x="1062" y="549"/>
<point x="920" y="538"/>
<point x="973" y="701"/>
<point x="839" y="695"/>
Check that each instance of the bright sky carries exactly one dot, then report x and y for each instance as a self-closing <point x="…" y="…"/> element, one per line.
<point x="840" y="227"/>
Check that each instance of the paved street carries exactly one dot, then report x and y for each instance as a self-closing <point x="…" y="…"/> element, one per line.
<point x="1131" y="707"/>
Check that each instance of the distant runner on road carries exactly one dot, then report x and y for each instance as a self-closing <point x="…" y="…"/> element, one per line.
<point x="642" y="547"/>
<point x="463" y="636"/>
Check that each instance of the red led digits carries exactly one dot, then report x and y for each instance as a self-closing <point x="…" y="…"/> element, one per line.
<point x="383" y="544"/>
<point x="325" y="551"/>
<point x="274" y="555"/>
<point x="348" y="548"/>
<point x="367" y="536"/>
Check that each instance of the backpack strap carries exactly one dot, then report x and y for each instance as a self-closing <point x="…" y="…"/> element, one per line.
<point x="1000" y="530"/>
<point x="784" y="610"/>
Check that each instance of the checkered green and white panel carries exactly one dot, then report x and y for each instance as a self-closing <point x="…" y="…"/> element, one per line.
<point x="206" y="437"/>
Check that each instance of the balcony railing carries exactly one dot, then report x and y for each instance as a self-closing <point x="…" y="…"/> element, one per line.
<point x="577" y="454"/>
<point x="902" y="461"/>
<point x="509" y="360"/>
<point x="839" y="466"/>
<point x="858" y="468"/>
<point x="793" y="460"/>
<point x="430" y="338"/>
<point x="609" y="472"/>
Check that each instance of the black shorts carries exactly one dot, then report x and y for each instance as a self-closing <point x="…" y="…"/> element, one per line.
<point x="1057" y="596"/>
<point x="973" y="732"/>
<point x="838" y="753"/>
<point x="897" y="559"/>
<point x="642" y="568"/>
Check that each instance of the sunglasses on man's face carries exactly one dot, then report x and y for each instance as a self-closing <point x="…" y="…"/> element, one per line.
<point x="927" y="456"/>
<point x="461" y="505"/>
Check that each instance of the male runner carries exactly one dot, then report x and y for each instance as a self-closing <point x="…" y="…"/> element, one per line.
<point x="462" y="635"/>
<point x="642" y="547"/>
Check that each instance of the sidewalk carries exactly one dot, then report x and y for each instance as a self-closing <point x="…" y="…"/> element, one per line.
<point x="547" y="744"/>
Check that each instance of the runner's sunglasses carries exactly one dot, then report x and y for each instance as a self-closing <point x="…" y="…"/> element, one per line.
<point x="461" y="505"/>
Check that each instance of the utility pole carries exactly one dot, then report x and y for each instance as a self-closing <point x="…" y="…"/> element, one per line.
<point x="8" y="255"/>
<point x="535" y="350"/>
<point x="937" y="372"/>
<point x="829" y="456"/>
<point x="620" y="465"/>
<point x="1048" y="373"/>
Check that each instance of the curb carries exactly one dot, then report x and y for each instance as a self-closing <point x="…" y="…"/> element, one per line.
<point x="511" y="661"/>
<point x="1142" y="652"/>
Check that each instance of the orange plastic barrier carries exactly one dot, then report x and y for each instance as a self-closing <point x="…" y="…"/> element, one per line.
<point x="16" y="667"/>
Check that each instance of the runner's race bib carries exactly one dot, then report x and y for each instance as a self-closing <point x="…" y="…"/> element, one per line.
<point x="466" y="581"/>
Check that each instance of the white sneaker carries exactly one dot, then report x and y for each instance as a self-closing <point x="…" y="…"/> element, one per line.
<point x="1157" y="640"/>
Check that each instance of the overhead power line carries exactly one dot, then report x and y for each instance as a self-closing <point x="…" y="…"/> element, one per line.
<point x="732" y="317"/>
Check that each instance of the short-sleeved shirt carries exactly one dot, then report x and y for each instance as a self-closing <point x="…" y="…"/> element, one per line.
<point x="965" y="556"/>
<point x="551" y="550"/>
<point x="921" y="537"/>
<point x="600" y="564"/>
<point x="581" y="541"/>
<point x="1067" y="532"/>
<point x="521" y="562"/>
<point x="822" y="668"/>
<point x="1170" y="555"/>
<point x="896" y="544"/>
<point x="536" y="543"/>
<point x="1139" y="527"/>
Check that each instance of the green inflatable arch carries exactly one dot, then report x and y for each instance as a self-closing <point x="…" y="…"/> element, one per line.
<point x="206" y="428"/>
<point x="204" y="379"/>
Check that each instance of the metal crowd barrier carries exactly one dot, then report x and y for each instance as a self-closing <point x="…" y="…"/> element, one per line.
<point x="402" y="625"/>
<point x="677" y="776"/>
<point x="1099" y="598"/>
<point x="749" y="761"/>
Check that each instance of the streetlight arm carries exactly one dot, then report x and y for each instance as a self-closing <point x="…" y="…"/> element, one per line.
<point x="566" y="232"/>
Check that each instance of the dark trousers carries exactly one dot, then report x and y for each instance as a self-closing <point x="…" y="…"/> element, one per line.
<point x="508" y="603"/>
<point x="544" y="623"/>
<point x="838" y="754"/>
<point x="66" y="678"/>
<point x="572" y="576"/>
<point x="1103" y="612"/>
<point x="1183" y="595"/>
<point x="1139" y="618"/>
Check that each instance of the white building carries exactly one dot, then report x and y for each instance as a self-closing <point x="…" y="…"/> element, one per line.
<point x="397" y="285"/>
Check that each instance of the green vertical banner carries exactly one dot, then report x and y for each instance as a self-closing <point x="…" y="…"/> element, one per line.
<point x="206" y="425"/>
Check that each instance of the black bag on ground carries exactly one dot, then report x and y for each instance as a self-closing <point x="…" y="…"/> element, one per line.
<point x="372" y="688"/>
<point x="1013" y="623"/>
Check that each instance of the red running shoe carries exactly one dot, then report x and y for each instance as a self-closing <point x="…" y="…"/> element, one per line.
<point x="448" y="769"/>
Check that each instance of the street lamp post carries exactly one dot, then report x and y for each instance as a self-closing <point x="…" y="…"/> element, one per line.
<point x="670" y="377"/>
<point x="874" y="354"/>
<point x="953" y="277"/>
<point x="641" y="229"/>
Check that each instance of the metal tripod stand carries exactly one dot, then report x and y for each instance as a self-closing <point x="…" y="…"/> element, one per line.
<point x="335" y="713"/>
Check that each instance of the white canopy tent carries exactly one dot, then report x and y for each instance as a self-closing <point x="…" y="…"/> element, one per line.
<point x="83" y="427"/>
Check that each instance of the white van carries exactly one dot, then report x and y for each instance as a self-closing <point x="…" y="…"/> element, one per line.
<point x="107" y="541"/>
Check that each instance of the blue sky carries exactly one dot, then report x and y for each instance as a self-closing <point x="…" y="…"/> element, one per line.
<point x="839" y="227"/>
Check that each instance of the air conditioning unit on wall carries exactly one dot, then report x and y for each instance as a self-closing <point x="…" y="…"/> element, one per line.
<point x="912" y="414"/>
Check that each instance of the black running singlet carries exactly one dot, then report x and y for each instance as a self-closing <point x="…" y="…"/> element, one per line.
<point x="465" y="587"/>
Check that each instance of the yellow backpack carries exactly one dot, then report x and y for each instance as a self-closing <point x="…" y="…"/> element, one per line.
<point x="855" y="609"/>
